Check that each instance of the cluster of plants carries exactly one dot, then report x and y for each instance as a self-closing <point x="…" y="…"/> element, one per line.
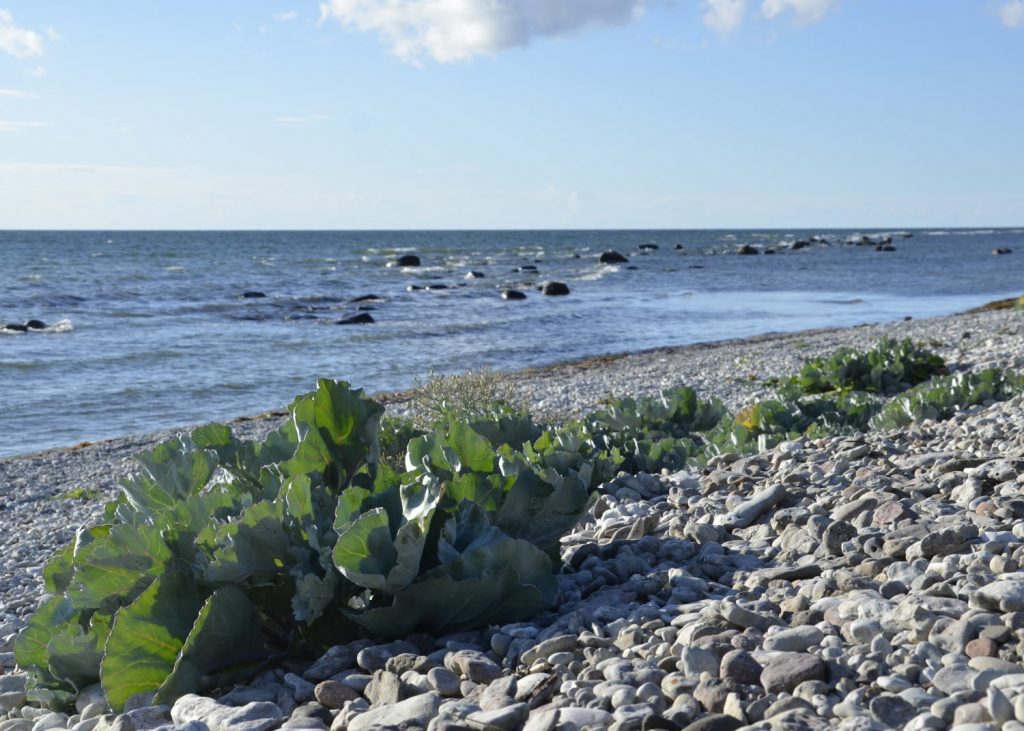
<point x="890" y="367"/>
<point x="222" y="556"/>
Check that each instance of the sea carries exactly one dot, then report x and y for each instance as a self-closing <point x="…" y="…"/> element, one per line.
<point x="150" y="330"/>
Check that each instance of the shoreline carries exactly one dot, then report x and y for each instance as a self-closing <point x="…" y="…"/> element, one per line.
<point x="565" y="369"/>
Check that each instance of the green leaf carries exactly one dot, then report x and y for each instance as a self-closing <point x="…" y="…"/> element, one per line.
<point x="505" y="581"/>
<point x="254" y="547"/>
<point x="365" y="552"/>
<point x="147" y="636"/>
<point x="475" y="453"/>
<point x="30" y="649"/>
<point x="542" y="508"/>
<point x="117" y="565"/>
<point x="59" y="570"/>
<point x="224" y="645"/>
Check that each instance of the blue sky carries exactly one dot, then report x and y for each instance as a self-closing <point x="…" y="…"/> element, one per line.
<point x="357" y="114"/>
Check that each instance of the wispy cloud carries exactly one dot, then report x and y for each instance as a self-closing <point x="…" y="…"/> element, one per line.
<point x="16" y="41"/>
<point x="9" y="126"/>
<point x="285" y="16"/>
<point x="16" y="94"/>
<point x="724" y="16"/>
<point x="38" y="71"/>
<point x="457" y="30"/>
<point x="1011" y="13"/>
<point x="301" y="121"/>
<point x="804" y="11"/>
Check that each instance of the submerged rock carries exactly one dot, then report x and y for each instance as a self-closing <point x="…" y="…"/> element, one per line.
<point x="406" y="260"/>
<point x="360" y="319"/>
<point x="512" y="294"/>
<point x="554" y="288"/>
<point x="612" y="257"/>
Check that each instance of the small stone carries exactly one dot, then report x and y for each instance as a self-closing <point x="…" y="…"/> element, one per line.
<point x="384" y="689"/>
<point x="741" y="667"/>
<point x="788" y="670"/>
<point x="444" y="681"/>
<point x="892" y="710"/>
<point x="695" y="660"/>
<point x="714" y="722"/>
<point x="507" y="718"/>
<point x="414" y="712"/>
<point x="981" y="647"/>
<point x="334" y="694"/>
<point x="796" y="639"/>
<point x="259" y="716"/>
<point x="473" y="665"/>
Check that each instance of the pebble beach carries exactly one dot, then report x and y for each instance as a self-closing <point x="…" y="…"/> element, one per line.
<point x="862" y="582"/>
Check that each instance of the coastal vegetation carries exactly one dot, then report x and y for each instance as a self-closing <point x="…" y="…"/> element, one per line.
<point x="223" y="556"/>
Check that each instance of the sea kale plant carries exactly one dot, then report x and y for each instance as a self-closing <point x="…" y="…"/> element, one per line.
<point x="889" y="367"/>
<point x="222" y="556"/>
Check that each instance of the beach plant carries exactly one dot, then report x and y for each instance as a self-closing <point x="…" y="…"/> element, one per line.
<point x="889" y="367"/>
<point x="468" y="396"/>
<point x="221" y="556"/>
<point x="940" y="398"/>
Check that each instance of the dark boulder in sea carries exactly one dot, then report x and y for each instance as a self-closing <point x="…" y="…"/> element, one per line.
<point x="512" y="294"/>
<point x="678" y="247"/>
<point x="612" y="257"/>
<point x="648" y="247"/>
<point x="252" y="295"/>
<point x="554" y="289"/>
<point x="1001" y="251"/>
<point x="436" y="287"/>
<point x="632" y="267"/>
<point x="797" y="245"/>
<point x="15" y="327"/>
<point x="414" y="288"/>
<point x="768" y="251"/>
<point x="475" y="275"/>
<point x="35" y="325"/>
<point x="366" y="298"/>
<point x="746" y="250"/>
<point x="525" y="268"/>
<point x="360" y="319"/>
<point x="885" y="247"/>
<point x="406" y="260"/>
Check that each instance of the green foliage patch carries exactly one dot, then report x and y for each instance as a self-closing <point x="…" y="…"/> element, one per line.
<point x="222" y="556"/>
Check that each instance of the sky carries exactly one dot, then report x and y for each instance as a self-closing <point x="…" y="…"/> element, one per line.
<point x="511" y="114"/>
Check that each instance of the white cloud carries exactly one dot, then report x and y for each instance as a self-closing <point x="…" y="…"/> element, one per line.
<point x="805" y="11"/>
<point x="38" y="71"/>
<point x="456" y="30"/>
<point x="16" y="94"/>
<point x="1011" y="13"/>
<point x="9" y="126"/>
<point x="18" y="41"/>
<point x="285" y="16"/>
<point x="301" y="121"/>
<point x="724" y="16"/>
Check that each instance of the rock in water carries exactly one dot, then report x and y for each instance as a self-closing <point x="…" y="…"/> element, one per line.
<point x="612" y="257"/>
<point x="406" y="260"/>
<point x="512" y="294"/>
<point x="360" y="319"/>
<point x="554" y="289"/>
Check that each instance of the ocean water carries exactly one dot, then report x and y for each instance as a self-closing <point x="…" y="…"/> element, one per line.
<point x="149" y="330"/>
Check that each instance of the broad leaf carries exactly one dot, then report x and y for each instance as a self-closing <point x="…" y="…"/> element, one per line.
<point x="146" y="638"/>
